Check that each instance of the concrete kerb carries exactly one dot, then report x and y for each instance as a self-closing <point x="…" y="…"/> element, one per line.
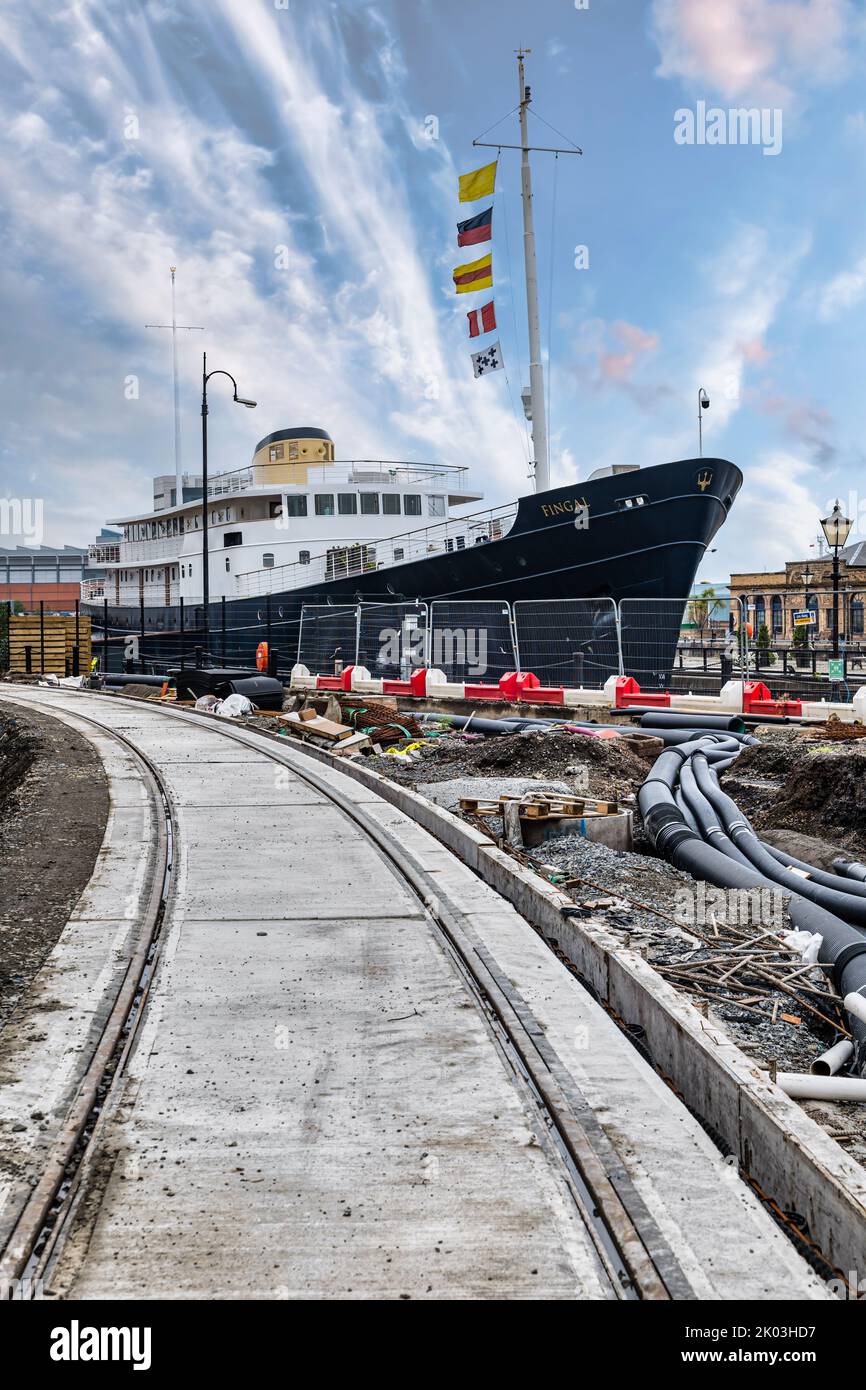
<point x="791" y="1158"/>
<point x="74" y="991"/>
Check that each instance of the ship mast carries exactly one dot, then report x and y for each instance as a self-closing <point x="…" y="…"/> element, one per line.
<point x="536" y="367"/>
<point x="537" y="409"/>
<point x="189" y="328"/>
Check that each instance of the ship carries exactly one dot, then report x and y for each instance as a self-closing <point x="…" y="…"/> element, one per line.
<point x="297" y="530"/>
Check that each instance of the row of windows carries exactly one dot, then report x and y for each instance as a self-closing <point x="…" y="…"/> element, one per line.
<point x="777" y="613"/>
<point x="371" y="504"/>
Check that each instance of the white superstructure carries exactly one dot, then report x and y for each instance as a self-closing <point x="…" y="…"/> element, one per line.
<point x="295" y="515"/>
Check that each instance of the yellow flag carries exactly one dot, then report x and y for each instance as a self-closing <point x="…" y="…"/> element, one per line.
<point x="478" y="184"/>
<point x="476" y="275"/>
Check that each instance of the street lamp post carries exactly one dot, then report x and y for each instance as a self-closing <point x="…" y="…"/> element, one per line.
<point x="836" y="528"/>
<point x="703" y="404"/>
<point x="808" y="576"/>
<point x="241" y="400"/>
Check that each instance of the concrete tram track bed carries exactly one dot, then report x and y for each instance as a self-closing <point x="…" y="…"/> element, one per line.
<point x="239" y="1165"/>
<point x="53" y="810"/>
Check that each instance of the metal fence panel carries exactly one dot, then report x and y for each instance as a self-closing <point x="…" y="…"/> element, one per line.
<point x="472" y="639"/>
<point x="570" y="642"/>
<point x="393" y="638"/>
<point x="328" y="634"/>
<point x="649" y="633"/>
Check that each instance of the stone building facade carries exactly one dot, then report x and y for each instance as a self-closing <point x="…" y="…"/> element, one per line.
<point x="773" y="597"/>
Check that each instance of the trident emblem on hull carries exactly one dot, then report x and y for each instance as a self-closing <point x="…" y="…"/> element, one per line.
<point x="704" y="479"/>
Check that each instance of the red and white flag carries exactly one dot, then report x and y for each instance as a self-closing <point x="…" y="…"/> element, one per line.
<point x="481" y="320"/>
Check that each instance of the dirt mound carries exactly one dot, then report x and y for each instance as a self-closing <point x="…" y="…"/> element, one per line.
<point x="795" y="781"/>
<point x="602" y="767"/>
<point x="18" y="748"/>
<point x="826" y="789"/>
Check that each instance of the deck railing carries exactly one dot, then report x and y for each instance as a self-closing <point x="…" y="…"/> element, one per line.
<point x="364" y="557"/>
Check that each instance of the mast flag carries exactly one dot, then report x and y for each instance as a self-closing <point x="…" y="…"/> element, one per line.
<point x="475" y="275"/>
<point x="478" y="184"/>
<point x="489" y="359"/>
<point x="475" y="229"/>
<point x="481" y="320"/>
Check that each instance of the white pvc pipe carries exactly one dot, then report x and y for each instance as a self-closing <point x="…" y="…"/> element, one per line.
<point x="805" y="1087"/>
<point x="833" y="1059"/>
<point x="855" y="1004"/>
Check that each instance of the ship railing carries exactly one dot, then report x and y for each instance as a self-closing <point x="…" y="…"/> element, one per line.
<point x="389" y="472"/>
<point x="364" y="557"/>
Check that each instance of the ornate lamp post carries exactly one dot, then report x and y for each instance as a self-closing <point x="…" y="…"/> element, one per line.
<point x="836" y="528"/>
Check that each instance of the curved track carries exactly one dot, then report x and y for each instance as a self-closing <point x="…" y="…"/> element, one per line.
<point x="359" y="1073"/>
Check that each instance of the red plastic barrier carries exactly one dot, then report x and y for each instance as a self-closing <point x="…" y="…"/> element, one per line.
<point x="758" y="700"/>
<point x="628" y="692"/>
<point x="341" y="682"/>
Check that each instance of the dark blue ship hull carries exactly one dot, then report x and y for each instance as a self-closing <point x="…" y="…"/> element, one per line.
<point x="639" y="534"/>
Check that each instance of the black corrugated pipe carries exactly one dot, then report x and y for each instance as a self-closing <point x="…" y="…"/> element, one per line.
<point x="840" y="885"/>
<point x="673" y="719"/>
<point x="843" y="948"/>
<point x="688" y="735"/>
<point x="844" y="905"/>
<point x="850" y="868"/>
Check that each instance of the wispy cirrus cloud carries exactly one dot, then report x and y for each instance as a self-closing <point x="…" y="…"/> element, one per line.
<point x="268" y="160"/>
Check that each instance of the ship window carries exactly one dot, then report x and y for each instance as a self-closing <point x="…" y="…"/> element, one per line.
<point x="369" y="504"/>
<point x="324" y="504"/>
<point x="412" y="504"/>
<point x="275" y="453"/>
<point x="626" y="503"/>
<point x="347" y="503"/>
<point x="296" y="506"/>
<point x="303" y="557"/>
<point x="436" y="506"/>
<point x="183" y="571"/>
<point x="398" y="555"/>
<point x="267" y="562"/>
<point x="391" y="503"/>
<point x="275" y="509"/>
<point x="233" y="538"/>
<point x="293" y="450"/>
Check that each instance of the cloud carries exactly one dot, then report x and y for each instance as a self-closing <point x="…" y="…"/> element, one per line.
<point x="276" y="130"/>
<point x="778" y="502"/>
<point x="746" y="283"/>
<point x="842" y="292"/>
<point x="616" y="361"/>
<point x="768" y="50"/>
<point x="811" y="424"/>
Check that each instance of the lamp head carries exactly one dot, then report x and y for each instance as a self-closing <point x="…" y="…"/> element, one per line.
<point x="703" y="399"/>
<point x="241" y="400"/>
<point x="836" y="526"/>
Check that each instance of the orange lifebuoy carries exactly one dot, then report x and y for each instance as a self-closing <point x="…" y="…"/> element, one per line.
<point x="262" y="656"/>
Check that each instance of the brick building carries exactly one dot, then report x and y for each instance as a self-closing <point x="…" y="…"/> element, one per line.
<point x="772" y="597"/>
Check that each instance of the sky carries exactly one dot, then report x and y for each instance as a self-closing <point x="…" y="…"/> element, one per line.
<point x="297" y="161"/>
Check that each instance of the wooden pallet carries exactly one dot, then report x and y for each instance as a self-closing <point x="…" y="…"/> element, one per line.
<point x="540" y="808"/>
